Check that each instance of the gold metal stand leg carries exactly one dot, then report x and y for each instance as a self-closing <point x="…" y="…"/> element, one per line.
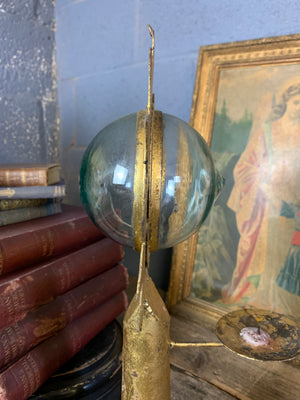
<point x="146" y="362"/>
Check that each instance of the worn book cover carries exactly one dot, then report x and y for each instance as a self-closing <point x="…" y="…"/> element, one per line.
<point x="33" y="192"/>
<point x="23" y="290"/>
<point x="27" y="374"/>
<point x="44" y="321"/>
<point x="30" y="174"/>
<point x="14" y="204"/>
<point x="35" y="241"/>
<point x="8" y="217"/>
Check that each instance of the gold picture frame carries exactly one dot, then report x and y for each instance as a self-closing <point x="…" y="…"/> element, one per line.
<point x="266" y="56"/>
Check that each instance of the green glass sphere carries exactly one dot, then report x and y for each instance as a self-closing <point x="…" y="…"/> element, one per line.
<point x="190" y="182"/>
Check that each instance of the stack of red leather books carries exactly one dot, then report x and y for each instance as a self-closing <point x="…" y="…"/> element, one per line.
<point x="61" y="283"/>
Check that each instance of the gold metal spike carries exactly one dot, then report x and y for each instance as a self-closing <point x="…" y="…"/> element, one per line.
<point x="149" y="172"/>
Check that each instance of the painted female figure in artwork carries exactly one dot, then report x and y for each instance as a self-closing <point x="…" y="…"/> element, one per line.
<point x="266" y="202"/>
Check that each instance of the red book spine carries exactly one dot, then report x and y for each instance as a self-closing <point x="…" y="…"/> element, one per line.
<point x="27" y="374"/>
<point x="31" y="242"/>
<point x="46" y="320"/>
<point x="21" y="292"/>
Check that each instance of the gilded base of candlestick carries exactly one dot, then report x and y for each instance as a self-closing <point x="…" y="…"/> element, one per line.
<point x="146" y="363"/>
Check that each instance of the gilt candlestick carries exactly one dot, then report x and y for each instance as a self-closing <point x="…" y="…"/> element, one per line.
<point x="148" y="181"/>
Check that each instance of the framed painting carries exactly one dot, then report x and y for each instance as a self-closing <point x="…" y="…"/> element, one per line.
<point x="246" y="105"/>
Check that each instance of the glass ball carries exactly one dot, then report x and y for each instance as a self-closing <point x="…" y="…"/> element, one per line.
<point x="190" y="182"/>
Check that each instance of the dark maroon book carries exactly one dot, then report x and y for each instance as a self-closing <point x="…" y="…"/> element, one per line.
<point x="30" y="242"/>
<point x="27" y="375"/>
<point x="28" y="288"/>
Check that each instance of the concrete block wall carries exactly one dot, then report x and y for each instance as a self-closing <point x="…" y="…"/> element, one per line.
<point x="28" y="103"/>
<point x="102" y="57"/>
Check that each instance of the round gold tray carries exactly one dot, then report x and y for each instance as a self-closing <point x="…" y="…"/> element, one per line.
<point x="283" y="334"/>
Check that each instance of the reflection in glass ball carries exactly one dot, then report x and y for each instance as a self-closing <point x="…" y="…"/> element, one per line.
<point x="190" y="181"/>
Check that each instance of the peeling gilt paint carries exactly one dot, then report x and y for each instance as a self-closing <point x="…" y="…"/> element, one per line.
<point x="28" y="101"/>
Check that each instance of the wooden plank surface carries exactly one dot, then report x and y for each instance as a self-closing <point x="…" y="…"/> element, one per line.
<point x="231" y="374"/>
<point x="188" y="387"/>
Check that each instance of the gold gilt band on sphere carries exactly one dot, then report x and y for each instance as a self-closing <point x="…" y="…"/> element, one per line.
<point x="149" y="177"/>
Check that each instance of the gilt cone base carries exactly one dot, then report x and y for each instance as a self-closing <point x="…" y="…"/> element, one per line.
<point x="146" y="363"/>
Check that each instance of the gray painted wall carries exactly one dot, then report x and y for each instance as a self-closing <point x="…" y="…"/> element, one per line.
<point x="102" y="56"/>
<point x="28" y="103"/>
